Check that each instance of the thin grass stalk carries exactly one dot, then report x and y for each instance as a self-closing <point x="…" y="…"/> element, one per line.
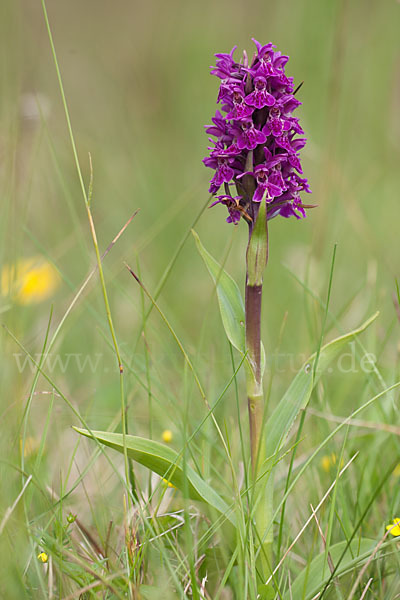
<point x="87" y="199"/>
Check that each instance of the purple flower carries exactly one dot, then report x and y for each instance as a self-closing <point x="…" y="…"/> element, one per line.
<point x="226" y="66"/>
<point x="260" y="97"/>
<point x="223" y="172"/>
<point x="256" y="147"/>
<point x="279" y="119"/>
<point x="240" y="109"/>
<point x="233" y="206"/>
<point x="269" y="181"/>
<point x="248" y="136"/>
<point x="269" y="184"/>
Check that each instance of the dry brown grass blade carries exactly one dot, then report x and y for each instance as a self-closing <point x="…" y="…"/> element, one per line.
<point x="365" y="567"/>
<point x="329" y="557"/>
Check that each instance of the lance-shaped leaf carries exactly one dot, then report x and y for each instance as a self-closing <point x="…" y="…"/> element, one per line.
<point x="229" y="298"/>
<point x="230" y="303"/>
<point x="165" y="462"/>
<point x="299" y="392"/>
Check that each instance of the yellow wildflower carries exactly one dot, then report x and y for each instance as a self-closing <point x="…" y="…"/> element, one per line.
<point x="29" y="281"/>
<point x="328" y="461"/>
<point x="168" y="483"/>
<point x="43" y="557"/>
<point x="396" y="470"/>
<point x="167" y="436"/>
<point x="394" y="528"/>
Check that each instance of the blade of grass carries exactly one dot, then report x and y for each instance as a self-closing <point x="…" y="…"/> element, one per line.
<point x="360" y="521"/>
<point x="323" y="444"/>
<point x="87" y="200"/>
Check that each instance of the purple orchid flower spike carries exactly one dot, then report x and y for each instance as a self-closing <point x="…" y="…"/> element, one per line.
<point x="257" y="148"/>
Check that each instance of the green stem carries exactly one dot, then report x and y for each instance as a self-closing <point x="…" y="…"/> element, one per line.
<point x="256" y="261"/>
<point x="255" y="396"/>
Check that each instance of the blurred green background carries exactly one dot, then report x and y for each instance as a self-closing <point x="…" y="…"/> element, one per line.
<point x="137" y="83"/>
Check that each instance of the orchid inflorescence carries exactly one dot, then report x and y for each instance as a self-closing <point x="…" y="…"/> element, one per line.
<point x="257" y="148"/>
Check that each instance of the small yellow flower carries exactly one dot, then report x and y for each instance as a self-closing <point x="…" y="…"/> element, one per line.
<point x="43" y="557"/>
<point x="394" y="528"/>
<point x="396" y="470"/>
<point x="29" y="281"/>
<point x="167" y="436"/>
<point x="168" y="483"/>
<point x="328" y="461"/>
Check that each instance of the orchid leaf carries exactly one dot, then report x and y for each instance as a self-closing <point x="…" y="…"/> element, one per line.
<point x="165" y="462"/>
<point x="229" y="298"/>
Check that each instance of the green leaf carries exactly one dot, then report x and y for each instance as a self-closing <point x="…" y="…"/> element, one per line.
<point x="297" y="396"/>
<point x="165" y="462"/>
<point x="314" y="577"/>
<point x="257" y="250"/>
<point x="229" y="298"/>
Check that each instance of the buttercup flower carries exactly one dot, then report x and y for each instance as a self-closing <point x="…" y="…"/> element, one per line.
<point x="394" y="528"/>
<point x="256" y="148"/>
<point x="43" y="557"/>
<point x="329" y="461"/>
<point x="168" y="483"/>
<point x="29" y="281"/>
<point x="166" y="436"/>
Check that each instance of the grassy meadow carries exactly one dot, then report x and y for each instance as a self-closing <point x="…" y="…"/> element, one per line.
<point x="138" y="90"/>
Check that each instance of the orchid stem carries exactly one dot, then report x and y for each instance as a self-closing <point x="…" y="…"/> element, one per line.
<point x="255" y="394"/>
<point x="256" y="261"/>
